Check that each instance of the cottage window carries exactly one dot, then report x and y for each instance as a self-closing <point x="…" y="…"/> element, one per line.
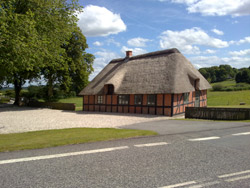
<point x="138" y="99"/>
<point x="123" y="99"/>
<point x="151" y="100"/>
<point x="99" y="99"/>
<point x="186" y="98"/>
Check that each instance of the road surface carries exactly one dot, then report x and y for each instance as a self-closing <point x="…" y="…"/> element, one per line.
<point x="218" y="157"/>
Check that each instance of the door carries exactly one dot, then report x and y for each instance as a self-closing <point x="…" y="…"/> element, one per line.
<point x="197" y="99"/>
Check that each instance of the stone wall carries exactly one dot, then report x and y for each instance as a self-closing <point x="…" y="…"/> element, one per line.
<point x="53" y="105"/>
<point x="218" y="113"/>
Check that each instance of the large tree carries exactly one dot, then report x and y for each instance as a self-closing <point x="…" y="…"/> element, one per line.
<point x="79" y="62"/>
<point x="20" y="47"/>
<point x="32" y="33"/>
<point x="60" y="22"/>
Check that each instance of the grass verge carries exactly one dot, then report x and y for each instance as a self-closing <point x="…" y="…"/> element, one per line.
<point x="52" y="138"/>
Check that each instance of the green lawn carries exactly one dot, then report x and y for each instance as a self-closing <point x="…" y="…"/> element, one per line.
<point x="77" y="100"/>
<point x="52" y="138"/>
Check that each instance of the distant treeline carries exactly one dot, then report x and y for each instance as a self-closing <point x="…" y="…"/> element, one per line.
<point x="223" y="72"/>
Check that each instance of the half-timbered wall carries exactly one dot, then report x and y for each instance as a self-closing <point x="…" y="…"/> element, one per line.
<point x="179" y="104"/>
<point x="166" y="104"/>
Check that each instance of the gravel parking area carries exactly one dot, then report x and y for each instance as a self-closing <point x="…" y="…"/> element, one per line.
<point x="24" y="119"/>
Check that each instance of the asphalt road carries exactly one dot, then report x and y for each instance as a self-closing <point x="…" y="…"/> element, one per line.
<point x="217" y="157"/>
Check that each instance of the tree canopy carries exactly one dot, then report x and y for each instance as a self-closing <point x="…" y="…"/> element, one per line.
<point x="218" y="73"/>
<point x="243" y="75"/>
<point x="34" y="35"/>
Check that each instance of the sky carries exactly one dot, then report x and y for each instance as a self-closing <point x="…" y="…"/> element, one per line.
<point x="207" y="32"/>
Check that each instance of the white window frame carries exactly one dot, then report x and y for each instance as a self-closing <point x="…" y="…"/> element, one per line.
<point x="99" y="99"/>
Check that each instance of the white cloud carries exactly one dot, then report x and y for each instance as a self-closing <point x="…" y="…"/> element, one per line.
<point x="237" y="62"/>
<point x="208" y="51"/>
<point x="188" y="2"/>
<point x="97" y="43"/>
<point x="136" y="51"/>
<point x="101" y="60"/>
<point x="241" y="41"/>
<point x="205" y="61"/>
<point x="245" y="40"/>
<point x="180" y="1"/>
<point x="218" y="32"/>
<point x="187" y="40"/>
<point x="208" y="61"/>
<point x="217" y="7"/>
<point x="138" y="42"/>
<point x="240" y="53"/>
<point x="99" y="21"/>
<point x="112" y="41"/>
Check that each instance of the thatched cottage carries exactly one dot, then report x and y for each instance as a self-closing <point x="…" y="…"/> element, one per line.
<point x="161" y="83"/>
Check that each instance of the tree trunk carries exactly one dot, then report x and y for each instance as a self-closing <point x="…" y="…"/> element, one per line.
<point x="18" y="88"/>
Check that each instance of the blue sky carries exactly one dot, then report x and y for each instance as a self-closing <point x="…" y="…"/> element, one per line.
<point x="207" y="32"/>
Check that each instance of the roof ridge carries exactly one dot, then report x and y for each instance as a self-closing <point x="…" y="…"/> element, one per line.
<point x="150" y="54"/>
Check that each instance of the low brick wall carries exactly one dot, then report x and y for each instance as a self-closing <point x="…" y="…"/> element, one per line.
<point x="53" y="105"/>
<point x="218" y="113"/>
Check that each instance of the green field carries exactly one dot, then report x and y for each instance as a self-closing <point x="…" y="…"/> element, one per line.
<point x="230" y="98"/>
<point x="231" y="85"/>
<point x="52" y="138"/>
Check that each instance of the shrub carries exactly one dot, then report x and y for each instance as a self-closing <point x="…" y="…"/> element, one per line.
<point x="72" y="94"/>
<point x="228" y="89"/>
<point x="217" y="87"/>
<point x="10" y="93"/>
<point x="34" y="92"/>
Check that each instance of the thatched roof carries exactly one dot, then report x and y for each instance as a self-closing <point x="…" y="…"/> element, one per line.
<point x="160" y="72"/>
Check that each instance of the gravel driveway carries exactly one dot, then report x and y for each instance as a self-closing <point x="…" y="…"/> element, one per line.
<point x="23" y="119"/>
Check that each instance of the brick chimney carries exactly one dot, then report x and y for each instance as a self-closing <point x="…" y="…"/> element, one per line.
<point x="129" y="54"/>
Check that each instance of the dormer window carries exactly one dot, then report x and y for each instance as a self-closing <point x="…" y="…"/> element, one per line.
<point x="197" y="84"/>
<point x="110" y="89"/>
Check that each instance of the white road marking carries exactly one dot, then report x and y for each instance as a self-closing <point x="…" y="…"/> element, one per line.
<point x="180" y="184"/>
<point x="238" y="178"/>
<point x="151" y="144"/>
<point x="62" y="155"/>
<point x="240" y="134"/>
<point x="205" y="138"/>
<point x="205" y="184"/>
<point x="234" y="174"/>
